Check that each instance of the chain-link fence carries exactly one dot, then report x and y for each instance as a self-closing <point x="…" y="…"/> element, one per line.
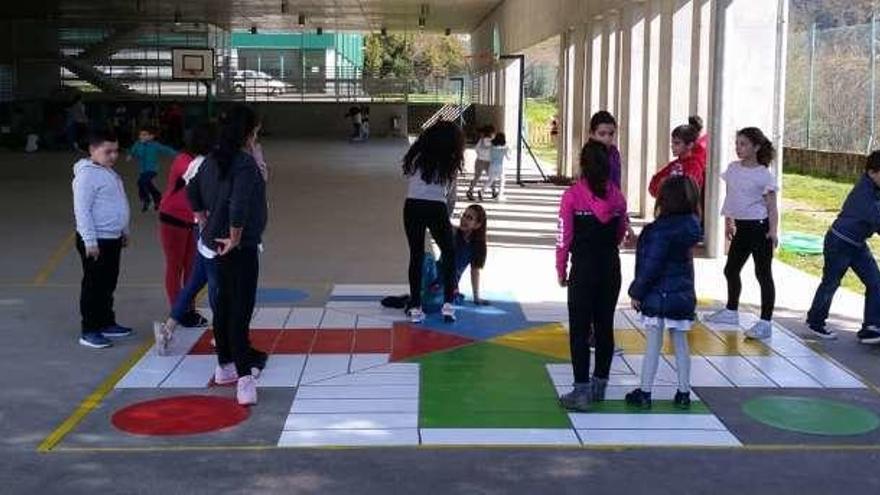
<point x="831" y="88"/>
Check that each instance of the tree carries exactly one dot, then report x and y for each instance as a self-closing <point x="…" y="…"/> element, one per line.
<point x="422" y="56"/>
<point x="387" y="56"/>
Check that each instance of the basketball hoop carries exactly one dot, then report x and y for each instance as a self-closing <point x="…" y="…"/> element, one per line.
<point x="480" y="62"/>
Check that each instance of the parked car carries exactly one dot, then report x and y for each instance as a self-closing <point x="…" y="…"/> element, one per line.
<point x="255" y="81"/>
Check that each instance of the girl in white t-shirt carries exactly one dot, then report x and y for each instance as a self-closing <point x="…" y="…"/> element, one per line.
<point x="752" y="218"/>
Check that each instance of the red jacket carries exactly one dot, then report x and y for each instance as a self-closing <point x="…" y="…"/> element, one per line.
<point x="690" y="165"/>
<point x="701" y="149"/>
<point x="174" y="201"/>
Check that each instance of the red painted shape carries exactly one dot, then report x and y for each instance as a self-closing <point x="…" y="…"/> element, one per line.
<point x="263" y="340"/>
<point x="181" y="415"/>
<point x="333" y="342"/>
<point x="203" y="345"/>
<point x="372" y="340"/>
<point x="294" y="342"/>
<point x="410" y="341"/>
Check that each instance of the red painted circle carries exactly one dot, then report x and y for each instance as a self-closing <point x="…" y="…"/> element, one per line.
<point x="181" y="415"/>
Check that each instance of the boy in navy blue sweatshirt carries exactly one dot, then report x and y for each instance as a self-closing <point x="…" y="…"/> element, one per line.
<point x="846" y="247"/>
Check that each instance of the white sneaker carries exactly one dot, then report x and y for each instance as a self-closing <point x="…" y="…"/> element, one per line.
<point x="448" y="312"/>
<point x="162" y="338"/>
<point x="416" y="315"/>
<point x="724" y="317"/>
<point x="761" y="330"/>
<point x="246" y="391"/>
<point x="226" y="374"/>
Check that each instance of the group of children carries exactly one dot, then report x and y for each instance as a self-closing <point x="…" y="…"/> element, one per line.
<point x="492" y="152"/>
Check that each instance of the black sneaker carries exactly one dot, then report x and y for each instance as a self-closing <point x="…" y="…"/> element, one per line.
<point x="869" y="335"/>
<point x="639" y="398"/>
<point x="480" y="195"/>
<point x="682" y="400"/>
<point x="577" y="400"/>
<point x="116" y="331"/>
<point x="470" y="195"/>
<point x="193" y="320"/>
<point x="95" y="340"/>
<point x="822" y="331"/>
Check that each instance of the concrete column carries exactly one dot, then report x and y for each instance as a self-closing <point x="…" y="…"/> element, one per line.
<point x="612" y="29"/>
<point x="587" y="42"/>
<point x="650" y="102"/>
<point x="664" y="87"/>
<point x="682" y="62"/>
<point x="604" y="64"/>
<point x="596" y="73"/>
<point x="630" y="116"/>
<point x="749" y="38"/>
<point x="700" y="60"/>
<point x="579" y="118"/>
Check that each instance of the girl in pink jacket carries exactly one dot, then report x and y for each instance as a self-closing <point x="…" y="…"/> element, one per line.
<point x="592" y="224"/>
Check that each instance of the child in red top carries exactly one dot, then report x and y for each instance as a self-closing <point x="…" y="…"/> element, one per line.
<point x="177" y="222"/>
<point x="686" y="162"/>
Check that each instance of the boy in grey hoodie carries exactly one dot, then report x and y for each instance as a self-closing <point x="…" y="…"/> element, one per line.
<point x="102" y="214"/>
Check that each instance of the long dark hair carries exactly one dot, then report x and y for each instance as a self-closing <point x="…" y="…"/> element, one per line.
<point x="438" y="154"/>
<point x="478" y="236"/>
<point x="595" y="168"/>
<point x="239" y="126"/>
<point x="766" y="151"/>
<point x="201" y="140"/>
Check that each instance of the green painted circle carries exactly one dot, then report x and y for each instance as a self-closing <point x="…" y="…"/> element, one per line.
<point x="813" y="416"/>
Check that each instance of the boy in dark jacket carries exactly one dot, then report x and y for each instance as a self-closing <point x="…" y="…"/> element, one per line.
<point x="663" y="289"/>
<point x="845" y="248"/>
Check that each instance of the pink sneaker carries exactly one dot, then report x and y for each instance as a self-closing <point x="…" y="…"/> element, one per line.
<point x="246" y="394"/>
<point x="226" y="374"/>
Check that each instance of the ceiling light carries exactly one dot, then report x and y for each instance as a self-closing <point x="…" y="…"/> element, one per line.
<point x="422" y="22"/>
<point x="284" y="6"/>
<point x="301" y="20"/>
<point x="254" y="29"/>
<point x="384" y="31"/>
<point x="320" y="31"/>
<point x="448" y="31"/>
<point x="177" y="15"/>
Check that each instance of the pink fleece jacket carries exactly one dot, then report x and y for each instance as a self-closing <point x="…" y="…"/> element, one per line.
<point x="579" y="198"/>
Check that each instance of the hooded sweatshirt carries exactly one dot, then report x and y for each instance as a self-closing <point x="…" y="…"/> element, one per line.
<point x="579" y="200"/>
<point x="99" y="203"/>
<point x="690" y="165"/>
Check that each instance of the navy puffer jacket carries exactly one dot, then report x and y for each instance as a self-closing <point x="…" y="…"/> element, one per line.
<point x="664" y="282"/>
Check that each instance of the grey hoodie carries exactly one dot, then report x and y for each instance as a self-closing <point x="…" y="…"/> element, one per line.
<point x="99" y="202"/>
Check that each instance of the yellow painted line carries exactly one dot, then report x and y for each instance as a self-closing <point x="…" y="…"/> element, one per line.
<point x="93" y="400"/>
<point x="52" y="263"/>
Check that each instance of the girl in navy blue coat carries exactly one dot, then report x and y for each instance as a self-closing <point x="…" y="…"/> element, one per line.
<point x="663" y="289"/>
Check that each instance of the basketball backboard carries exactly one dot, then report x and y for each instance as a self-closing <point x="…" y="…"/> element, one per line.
<point x="192" y="64"/>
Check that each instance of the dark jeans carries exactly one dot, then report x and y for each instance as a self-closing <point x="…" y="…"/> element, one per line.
<point x="98" y="284"/>
<point x="751" y="240"/>
<point x="418" y="215"/>
<point x="204" y="272"/>
<point x="839" y="257"/>
<point x="148" y="190"/>
<point x="237" y="272"/>
<point x="593" y="290"/>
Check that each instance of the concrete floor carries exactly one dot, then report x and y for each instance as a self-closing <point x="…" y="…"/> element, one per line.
<point x="335" y="218"/>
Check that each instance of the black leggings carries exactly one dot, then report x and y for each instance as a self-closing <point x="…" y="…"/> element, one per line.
<point x="751" y="239"/>
<point x="419" y="214"/>
<point x="238" y="272"/>
<point x="592" y="298"/>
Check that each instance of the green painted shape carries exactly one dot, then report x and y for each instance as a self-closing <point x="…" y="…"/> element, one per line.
<point x="657" y="407"/>
<point x="812" y="416"/>
<point x="487" y="386"/>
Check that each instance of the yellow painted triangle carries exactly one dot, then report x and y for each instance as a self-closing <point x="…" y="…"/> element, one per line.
<point x="550" y="340"/>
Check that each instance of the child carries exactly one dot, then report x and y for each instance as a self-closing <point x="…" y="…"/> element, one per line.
<point x="751" y="218"/>
<point x="470" y="251"/>
<point x="684" y="138"/>
<point x="603" y="128"/>
<point x="484" y="159"/>
<point x="101" y="210"/>
<point x="701" y="147"/>
<point x="846" y="247"/>
<point x="499" y="153"/>
<point x="663" y="289"/>
<point x="177" y="229"/>
<point x="592" y="223"/>
<point x="147" y="152"/>
<point x="432" y="165"/>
